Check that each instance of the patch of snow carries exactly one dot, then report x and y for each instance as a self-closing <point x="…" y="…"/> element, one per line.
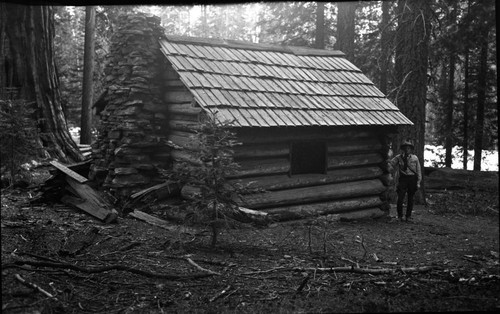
<point x="434" y="157"/>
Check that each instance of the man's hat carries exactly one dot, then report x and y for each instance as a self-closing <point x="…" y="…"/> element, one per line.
<point x="407" y="143"/>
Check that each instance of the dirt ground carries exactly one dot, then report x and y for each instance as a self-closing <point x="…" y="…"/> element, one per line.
<point x="446" y="260"/>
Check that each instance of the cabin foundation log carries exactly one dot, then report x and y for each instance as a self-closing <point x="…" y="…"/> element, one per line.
<point x="313" y="194"/>
<point x="323" y="208"/>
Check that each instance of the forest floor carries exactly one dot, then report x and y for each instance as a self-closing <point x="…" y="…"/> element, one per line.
<point x="445" y="260"/>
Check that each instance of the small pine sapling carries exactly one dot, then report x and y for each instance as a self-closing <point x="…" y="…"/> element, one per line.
<point x="216" y="200"/>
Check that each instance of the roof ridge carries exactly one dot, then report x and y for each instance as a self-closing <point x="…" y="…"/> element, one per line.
<point x="239" y="44"/>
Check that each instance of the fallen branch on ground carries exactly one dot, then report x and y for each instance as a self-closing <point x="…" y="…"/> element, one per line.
<point x="344" y="269"/>
<point x="94" y="270"/>
<point x="201" y="268"/>
<point x="220" y="294"/>
<point x="34" y="286"/>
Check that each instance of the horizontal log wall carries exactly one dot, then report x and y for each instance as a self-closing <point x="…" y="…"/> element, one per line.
<point x="323" y="208"/>
<point x="353" y="180"/>
<point x="312" y="194"/>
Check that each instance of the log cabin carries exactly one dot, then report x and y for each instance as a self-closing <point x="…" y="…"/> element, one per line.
<point x="313" y="127"/>
<point x="315" y="131"/>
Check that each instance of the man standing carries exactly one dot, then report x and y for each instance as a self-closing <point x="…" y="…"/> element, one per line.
<point x="408" y="177"/>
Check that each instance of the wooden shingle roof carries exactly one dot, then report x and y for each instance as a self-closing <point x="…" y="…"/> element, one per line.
<point x="261" y="85"/>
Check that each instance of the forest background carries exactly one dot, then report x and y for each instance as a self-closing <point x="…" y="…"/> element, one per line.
<point x="461" y="110"/>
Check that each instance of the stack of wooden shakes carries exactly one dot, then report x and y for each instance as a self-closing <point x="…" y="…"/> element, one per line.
<point x="68" y="186"/>
<point x="131" y="140"/>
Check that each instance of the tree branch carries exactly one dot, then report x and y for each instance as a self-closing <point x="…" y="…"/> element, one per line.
<point x="94" y="270"/>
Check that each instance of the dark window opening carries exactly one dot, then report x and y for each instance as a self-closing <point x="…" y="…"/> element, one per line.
<point x="308" y="157"/>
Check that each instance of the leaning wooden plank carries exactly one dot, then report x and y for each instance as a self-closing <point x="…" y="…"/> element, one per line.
<point x="152" y="220"/>
<point x="88" y="207"/>
<point x="69" y="172"/>
<point x="91" y="202"/>
<point x="162" y="190"/>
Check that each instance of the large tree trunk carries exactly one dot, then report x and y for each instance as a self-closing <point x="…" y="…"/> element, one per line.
<point x="320" y="25"/>
<point x="30" y="35"/>
<point x="448" y="160"/>
<point x="346" y="28"/>
<point x="481" y="98"/>
<point x="384" y="47"/>
<point x="88" y="74"/>
<point x="412" y="45"/>
<point x="466" y="109"/>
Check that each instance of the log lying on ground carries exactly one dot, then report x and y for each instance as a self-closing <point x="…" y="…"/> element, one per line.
<point x="285" y="213"/>
<point x="313" y="194"/>
<point x="155" y="221"/>
<point x="282" y="182"/>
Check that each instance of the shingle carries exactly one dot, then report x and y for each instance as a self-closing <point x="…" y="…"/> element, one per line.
<point x="273" y="118"/>
<point x="266" y="100"/>
<point x="167" y="47"/>
<point x="242" y="68"/>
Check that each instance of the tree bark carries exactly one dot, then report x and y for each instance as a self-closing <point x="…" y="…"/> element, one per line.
<point x="412" y="45"/>
<point x="88" y="74"/>
<point x="320" y="25"/>
<point x="30" y="36"/>
<point x="481" y="97"/>
<point x="466" y="110"/>
<point x="448" y="160"/>
<point x="346" y="29"/>
<point x="384" y="47"/>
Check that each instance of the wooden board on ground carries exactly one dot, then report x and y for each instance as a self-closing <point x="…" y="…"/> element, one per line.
<point x="155" y="221"/>
<point x="90" y="202"/>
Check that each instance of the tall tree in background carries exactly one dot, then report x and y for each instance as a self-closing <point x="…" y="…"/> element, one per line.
<point x="384" y="47"/>
<point x="346" y="28"/>
<point x="452" y="52"/>
<point x="292" y="23"/>
<point x="88" y="75"/>
<point x="412" y="42"/>
<point x="319" y="41"/>
<point x="30" y="36"/>
<point x="484" y="31"/>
